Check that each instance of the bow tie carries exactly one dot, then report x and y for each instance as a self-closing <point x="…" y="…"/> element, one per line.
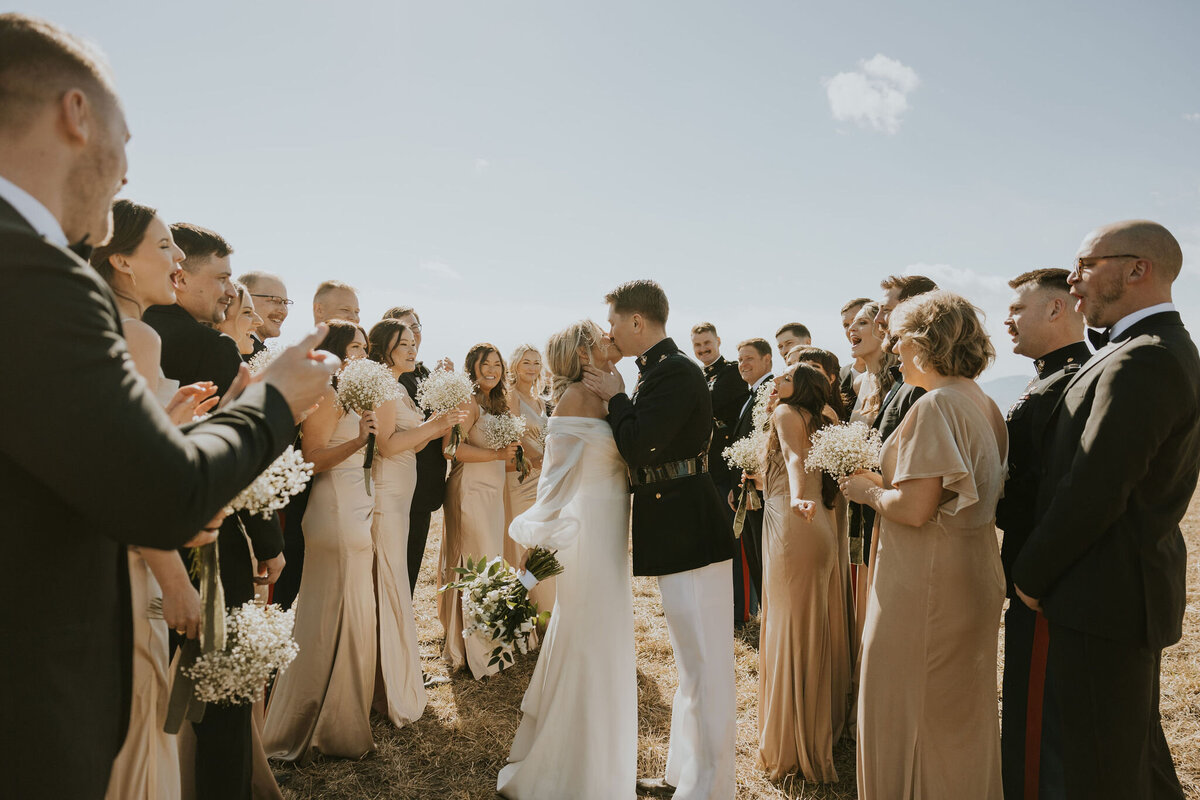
<point x="82" y="250"/>
<point x="1099" y="339"/>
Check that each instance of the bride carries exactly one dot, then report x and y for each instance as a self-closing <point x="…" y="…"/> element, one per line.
<point x="578" y="735"/>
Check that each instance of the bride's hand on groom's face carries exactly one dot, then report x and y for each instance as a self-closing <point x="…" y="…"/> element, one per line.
<point x="603" y="383"/>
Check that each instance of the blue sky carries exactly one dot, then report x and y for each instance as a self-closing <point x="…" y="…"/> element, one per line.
<point x="500" y="165"/>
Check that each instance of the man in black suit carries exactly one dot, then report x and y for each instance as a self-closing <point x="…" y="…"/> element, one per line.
<point x="680" y="533"/>
<point x="1045" y="327"/>
<point x="270" y="301"/>
<point x="1106" y="562"/>
<point x="897" y="289"/>
<point x="728" y="394"/>
<point x="754" y="367"/>
<point x="431" y="464"/>
<point x="193" y="351"/>
<point x="75" y="490"/>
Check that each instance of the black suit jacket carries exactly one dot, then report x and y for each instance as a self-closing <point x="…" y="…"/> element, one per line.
<point x="845" y="385"/>
<point x="191" y="352"/>
<point x="728" y="393"/>
<point x="89" y="462"/>
<point x="679" y="524"/>
<point x="1123" y="453"/>
<point x="897" y="403"/>
<point x="431" y="464"/>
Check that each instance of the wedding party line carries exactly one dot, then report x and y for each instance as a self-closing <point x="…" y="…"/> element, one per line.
<point x="242" y="522"/>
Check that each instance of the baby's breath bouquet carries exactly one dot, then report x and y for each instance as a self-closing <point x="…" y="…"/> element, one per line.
<point x="746" y="454"/>
<point x="263" y="357"/>
<point x="364" y="385"/>
<point x="501" y="430"/>
<point x="496" y="604"/>
<point x="276" y="486"/>
<point x="844" y="449"/>
<point x="259" y="643"/>
<point x="444" y="391"/>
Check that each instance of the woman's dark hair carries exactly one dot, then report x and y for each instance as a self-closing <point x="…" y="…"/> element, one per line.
<point x="495" y="401"/>
<point x="130" y="221"/>
<point x="828" y="362"/>
<point x="811" y="393"/>
<point x="340" y="336"/>
<point x="382" y="339"/>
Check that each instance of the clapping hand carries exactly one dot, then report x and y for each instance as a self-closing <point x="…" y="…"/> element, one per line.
<point x="446" y="364"/>
<point x="191" y="401"/>
<point x="603" y="383"/>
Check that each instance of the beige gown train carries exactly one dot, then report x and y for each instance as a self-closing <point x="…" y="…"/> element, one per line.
<point x="928" y="724"/>
<point x="399" y="687"/>
<point x="803" y="653"/>
<point x="474" y="528"/>
<point x="323" y="700"/>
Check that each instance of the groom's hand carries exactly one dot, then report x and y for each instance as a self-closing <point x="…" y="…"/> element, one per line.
<point x="603" y="383"/>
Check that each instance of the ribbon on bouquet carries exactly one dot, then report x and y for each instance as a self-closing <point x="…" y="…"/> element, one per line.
<point x="528" y="580"/>
<point x="183" y="704"/>
<point x="748" y="500"/>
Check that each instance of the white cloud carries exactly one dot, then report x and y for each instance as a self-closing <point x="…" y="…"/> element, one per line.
<point x="441" y="270"/>
<point x="1192" y="117"/>
<point x="875" y="96"/>
<point x="970" y="284"/>
<point x="481" y="164"/>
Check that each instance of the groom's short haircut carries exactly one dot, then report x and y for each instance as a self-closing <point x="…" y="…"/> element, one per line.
<point x="1048" y="278"/>
<point x="761" y="345"/>
<point x="640" y="297"/>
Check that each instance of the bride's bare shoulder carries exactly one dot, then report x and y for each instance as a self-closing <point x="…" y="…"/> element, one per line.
<point x="578" y="401"/>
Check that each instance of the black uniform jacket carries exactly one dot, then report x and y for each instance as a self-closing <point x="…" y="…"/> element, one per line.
<point x="89" y="462"/>
<point x="1123" y="451"/>
<point x="728" y="393"/>
<point x="1016" y="512"/>
<point x="679" y="524"/>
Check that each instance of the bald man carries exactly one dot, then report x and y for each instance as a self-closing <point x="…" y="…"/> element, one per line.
<point x="1105" y="562"/>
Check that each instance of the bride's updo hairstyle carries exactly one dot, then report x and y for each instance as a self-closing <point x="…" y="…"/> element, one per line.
<point x="947" y="333"/>
<point x="563" y="358"/>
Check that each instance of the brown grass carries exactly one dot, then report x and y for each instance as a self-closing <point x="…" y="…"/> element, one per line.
<point x="456" y="749"/>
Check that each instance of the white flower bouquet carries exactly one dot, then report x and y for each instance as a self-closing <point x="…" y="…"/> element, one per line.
<point x="364" y="385"/>
<point x="845" y="449"/>
<point x="496" y="604"/>
<point x="276" y="486"/>
<point x="445" y="391"/>
<point x="259" y="642"/>
<point x="263" y="357"/>
<point x="501" y="430"/>
<point x="746" y="454"/>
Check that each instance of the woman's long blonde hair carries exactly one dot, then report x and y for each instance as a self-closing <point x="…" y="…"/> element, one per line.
<point x="562" y="355"/>
<point x="518" y="353"/>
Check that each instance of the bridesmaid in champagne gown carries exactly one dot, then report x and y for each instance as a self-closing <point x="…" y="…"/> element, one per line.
<point x="927" y="718"/>
<point x="804" y="657"/>
<point x="525" y="401"/>
<point x="323" y="700"/>
<point x="474" y="508"/>
<point x="399" y="687"/>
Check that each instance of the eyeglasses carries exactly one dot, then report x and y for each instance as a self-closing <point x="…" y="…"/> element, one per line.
<point x="415" y="327"/>
<point x="1080" y="267"/>
<point x="274" y="298"/>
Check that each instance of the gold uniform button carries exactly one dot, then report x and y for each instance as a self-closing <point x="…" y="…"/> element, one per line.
<point x="658" y="497"/>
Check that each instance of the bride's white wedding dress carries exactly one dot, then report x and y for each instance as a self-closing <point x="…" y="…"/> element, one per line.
<point x="578" y="736"/>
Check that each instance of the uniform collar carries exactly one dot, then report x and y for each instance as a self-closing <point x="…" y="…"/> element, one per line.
<point x="1074" y="353"/>
<point x="656" y="353"/>
<point x="714" y="367"/>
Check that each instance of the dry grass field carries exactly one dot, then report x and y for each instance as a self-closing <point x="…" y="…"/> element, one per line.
<point x="456" y="749"/>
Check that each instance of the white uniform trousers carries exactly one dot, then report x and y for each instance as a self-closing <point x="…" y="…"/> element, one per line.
<point x="699" y="608"/>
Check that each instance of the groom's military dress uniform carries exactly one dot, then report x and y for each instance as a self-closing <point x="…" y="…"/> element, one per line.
<point x="1025" y="631"/>
<point x="682" y="534"/>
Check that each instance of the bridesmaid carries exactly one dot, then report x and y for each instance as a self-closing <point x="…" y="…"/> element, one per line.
<point x="474" y="509"/>
<point x="804" y="661"/>
<point x="241" y="320"/>
<point x="525" y="399"/>
<point x="927" y="720"/>
<point x="399" y="688"/>
<point x="322" y="701"/>
<point x="139" y="262"/>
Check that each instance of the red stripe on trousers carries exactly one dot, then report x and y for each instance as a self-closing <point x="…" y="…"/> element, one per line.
<point x="1033" y="709"/>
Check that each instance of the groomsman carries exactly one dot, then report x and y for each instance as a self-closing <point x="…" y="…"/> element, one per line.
<point x="728" y="393"/>
<point x="897" y="289"/>
<point x="191" y="352"/>
<point x="754" y="365"/>
<point x="790" y="335"/>
<point x="1106" y="562"/>
<point x="74" y="495"/>
<point x="1045" y="327"/>
<point x="270" y="301"/>
<point x="335" y="300"/>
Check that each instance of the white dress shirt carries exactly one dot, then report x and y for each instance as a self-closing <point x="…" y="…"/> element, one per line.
<point x="36" y="214"/>
<point x="753" y="392"/>
<point x="1129" y="320"/>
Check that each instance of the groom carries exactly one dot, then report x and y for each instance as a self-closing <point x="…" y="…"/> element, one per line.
<point x="681" y="534"/>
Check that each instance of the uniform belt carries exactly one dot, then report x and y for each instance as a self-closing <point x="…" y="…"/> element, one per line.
<point x="656" y="473"/>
